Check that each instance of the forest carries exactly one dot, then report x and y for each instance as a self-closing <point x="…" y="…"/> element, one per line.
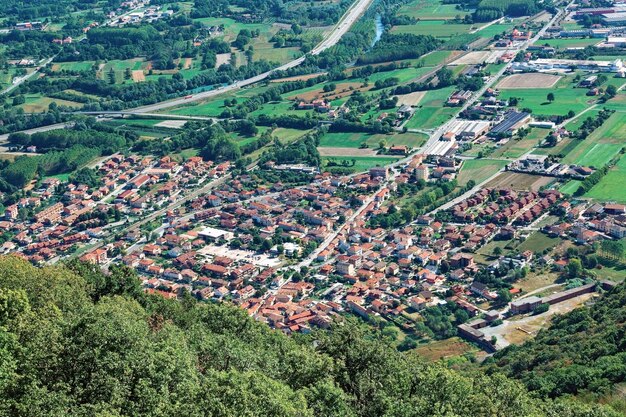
<point x="77" y="342"/>
<point x="64" y="151"/>
<point x="582" y="352"/>
<point x="489" y="10"/>
<point x="314" y="13"/>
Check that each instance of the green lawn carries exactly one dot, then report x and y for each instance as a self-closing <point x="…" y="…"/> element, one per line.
<point x="479" y="170"/>
<point x="611" y="187"/>
<point x="570" y="187"/>
<point x="363" y="163"/>
<point x="538" y="242"/>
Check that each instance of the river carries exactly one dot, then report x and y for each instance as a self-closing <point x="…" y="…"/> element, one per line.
<point x="380" y="29"/>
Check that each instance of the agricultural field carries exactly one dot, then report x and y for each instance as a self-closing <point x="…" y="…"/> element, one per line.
<point x="214" y="106"/>
<point x="566" y="98"/>
<point x="36" y="103"/>
<point x="437" y="28"/>
<point x="431" y="111"/>
<point x="428" y="10"/>
<point x="354" y="140"/>
<point x="602" y="145"/>
<point x="495" y="29"/>
<point x="517" y="181"/>
<point x="361" y="163"/>
<point x="568" y="43"/>
<point x="119" y="68"/>
<point x="479" y="170"/>
<point x="561" y="148"/>
<point x="531" y="80"/>
<point x="73" y="66"/>
<point x="611" y="186"/>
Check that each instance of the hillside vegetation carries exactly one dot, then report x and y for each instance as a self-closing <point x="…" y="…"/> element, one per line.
<point x="78" y="343"/>
<point x="582" y="352"/>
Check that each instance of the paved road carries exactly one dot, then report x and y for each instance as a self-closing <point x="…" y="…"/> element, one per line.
<point x="20" y="80"/>
<point x="4" y="138"/>
<point x="111" y="113"/>
<point x="352" y="15"/>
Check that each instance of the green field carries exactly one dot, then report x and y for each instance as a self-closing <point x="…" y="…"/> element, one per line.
<point x="363" y="163"/>
<point x="214" y="106"/>
<point x="562" y="148"/>
<point x="35" y="103"/>
<point x="6" y="77"/>
<point x="436" y="28"/>
<point x="602" y="145"/>
<point x="516" y="148"/>
<point x="288" y="135"/>
<point x="568" y="43"/>
<point x="479" y="170"/>
<point x="354" y="140"/>
<point x="566" y="98"/>
<point x="612" y="186"/>
<point x="430" y="10"/>
<point x="263" y="48"/>
<point x="73" y="66"/>
<point x="538" y="242"/>
<point x="497" y="29"/>
<point x="570" y="187"/>
<point x="431" y="111"/>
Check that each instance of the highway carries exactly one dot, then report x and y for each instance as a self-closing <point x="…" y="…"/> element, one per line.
<point x="352" y="15"/>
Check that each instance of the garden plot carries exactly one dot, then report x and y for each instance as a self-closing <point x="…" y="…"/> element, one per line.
<point x="221" y="59"/>
<point x="172" y="124"/>
<point x="411" y="99"/>
<point x="138" y="76"/>
<point x="472" y="58"/>
<point x="532" y="80"/>
<point x="346" y="152"/>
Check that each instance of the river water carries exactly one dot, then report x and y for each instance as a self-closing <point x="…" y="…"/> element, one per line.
<point x="380" y="28"/>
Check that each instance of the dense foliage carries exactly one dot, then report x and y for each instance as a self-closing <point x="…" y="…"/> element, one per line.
<point x="76" y="342"/>
<point x="584" y="350"/>
<point x="397" y="47"/>
<point x="64" y="150"/>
